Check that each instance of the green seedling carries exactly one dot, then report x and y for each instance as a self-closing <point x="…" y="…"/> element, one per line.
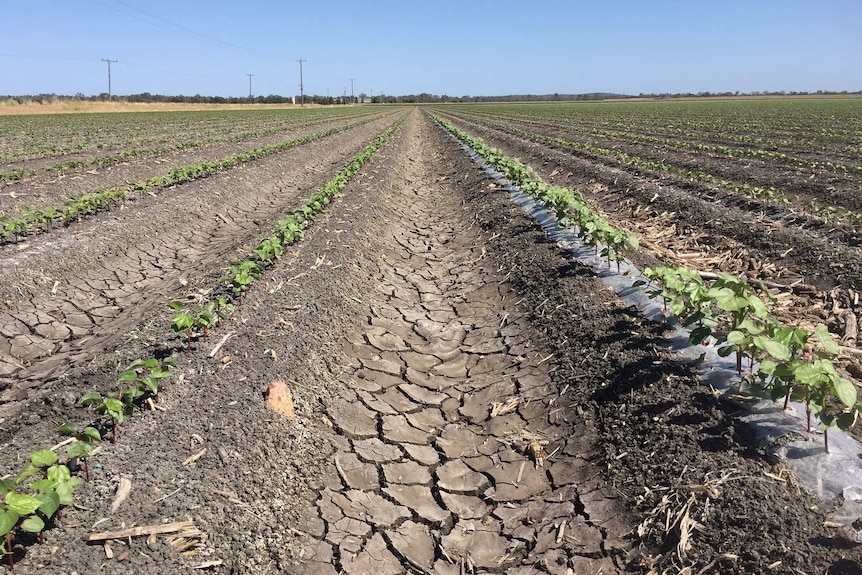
<point x="83" y="446"/>
<point x="31" y="511"/>
<point x="219" y="309"/>
<point x="191" y="322"/>
<point x="145" y="374"/>
<point x="243" y="274"/>
<point x="111" y="407"/>
<point x="270" y="250"/>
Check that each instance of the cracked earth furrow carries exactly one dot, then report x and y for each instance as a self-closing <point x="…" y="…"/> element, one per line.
<point x="451" y="446"/>
<point x="67" y="297"/>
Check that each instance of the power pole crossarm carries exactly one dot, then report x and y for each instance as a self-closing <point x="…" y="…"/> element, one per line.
<point x="109" y="74"/>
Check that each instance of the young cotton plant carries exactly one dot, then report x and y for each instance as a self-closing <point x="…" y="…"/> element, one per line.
<point x="191" y="322"/>
<point x="804" y="373"/>
<point x="83" y="446"/>
<point x="31" y="506"/>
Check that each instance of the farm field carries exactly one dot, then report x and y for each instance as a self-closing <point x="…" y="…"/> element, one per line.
<point x="468" y="399"/>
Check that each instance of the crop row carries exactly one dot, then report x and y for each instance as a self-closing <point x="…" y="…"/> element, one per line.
<point x="756" y="192"/>
<point x="569" y="205"/>
<point x="105" y="160"/>
<point x="826" y="125"/>
<point x="635" y="135"/>
<point x="192" y="322"/>
<point x="29" y="137"/>
<point x="31" y="221"/>
<point x="726" y="311"/>
<point x="32" y="499"/>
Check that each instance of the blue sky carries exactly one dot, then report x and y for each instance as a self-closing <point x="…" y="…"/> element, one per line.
<point x="453" y="47"/>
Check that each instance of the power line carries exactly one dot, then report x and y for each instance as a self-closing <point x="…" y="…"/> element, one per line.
<point x="159" y="22"/>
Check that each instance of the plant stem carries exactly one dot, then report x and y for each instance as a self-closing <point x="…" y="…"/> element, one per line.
<point x="9" y="550"/>
<point x="826" y="439"/>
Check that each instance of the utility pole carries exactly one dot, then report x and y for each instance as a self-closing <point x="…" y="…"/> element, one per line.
<point x="109" y="75"/>
<point x="301" y="87"/>
<point x="249" y="88"/>
<point x="352" y="99"/>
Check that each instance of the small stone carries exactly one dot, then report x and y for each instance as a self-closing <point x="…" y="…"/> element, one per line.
<point x="280" y="400"/>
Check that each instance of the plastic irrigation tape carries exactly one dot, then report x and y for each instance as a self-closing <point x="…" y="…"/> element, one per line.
<point x="832" y="477"/>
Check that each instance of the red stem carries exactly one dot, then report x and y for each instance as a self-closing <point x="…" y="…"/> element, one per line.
<point x="9" y="551"/>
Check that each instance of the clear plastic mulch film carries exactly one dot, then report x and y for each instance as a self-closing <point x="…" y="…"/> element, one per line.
<point x="835" y="477"/>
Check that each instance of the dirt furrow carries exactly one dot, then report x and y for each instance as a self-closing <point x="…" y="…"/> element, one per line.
<point x="449" y="448"/>
<point x="68" y="297"/>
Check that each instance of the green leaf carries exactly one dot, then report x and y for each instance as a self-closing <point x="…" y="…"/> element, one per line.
<point x="50" y="503"/>
<point x="7" y="485"/>
<point x="726" y="350"/>
<point x="758" y="308"/>
<point x="821" y="332"/>
<point x="64" y="492"/>
<point x="114" y="408"/>
<point x="91" y="397"/>
<point x="33" y="524"/>
<point x="845" y="391"/>
<point x="8" y="520"/>
<point x="767" y="367"/>
<point x="43" y="458"/>
<point x="59" y="473"/>
<point x="736" y="338"/>
<point x="22" y="504"/>
<point x="176" y="305"/>
<point x="92" y="434"/>
<point x="79" y="450"/>
<point x="68" y="429"/>
<point x="130" y="375"/>
<point x="43" y="485"/>
<point x="774" y="348"/>
<point x="29" y="470"/>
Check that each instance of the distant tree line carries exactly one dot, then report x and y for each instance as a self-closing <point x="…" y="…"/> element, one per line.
<point x="423" y="98"/>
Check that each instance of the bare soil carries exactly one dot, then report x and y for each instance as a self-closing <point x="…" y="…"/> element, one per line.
<point x="468" y="398"/>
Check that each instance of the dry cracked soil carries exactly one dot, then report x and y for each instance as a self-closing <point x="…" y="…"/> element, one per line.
<point x="468" y="399"/>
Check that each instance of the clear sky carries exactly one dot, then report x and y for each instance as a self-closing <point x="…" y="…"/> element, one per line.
<point x="452" y="47"/>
